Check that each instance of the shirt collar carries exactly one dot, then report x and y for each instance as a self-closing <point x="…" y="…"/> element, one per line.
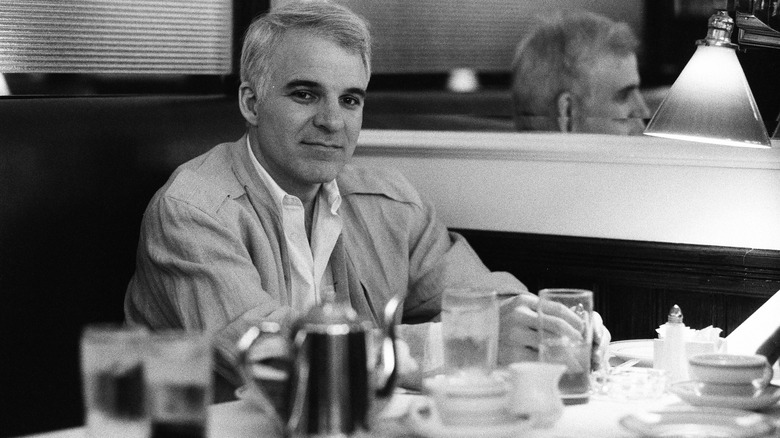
<point x="329" y="191"/>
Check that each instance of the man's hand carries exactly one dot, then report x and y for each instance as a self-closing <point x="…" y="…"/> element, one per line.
<point x="601" y="339"/>
<point x="519" y="329"/>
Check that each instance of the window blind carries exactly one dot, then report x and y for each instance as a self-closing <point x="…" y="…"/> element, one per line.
<point x="430" y="36"/>
<point x="116" y="36"/>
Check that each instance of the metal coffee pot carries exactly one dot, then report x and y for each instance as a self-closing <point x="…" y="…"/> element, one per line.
<point x="328" y="375"/>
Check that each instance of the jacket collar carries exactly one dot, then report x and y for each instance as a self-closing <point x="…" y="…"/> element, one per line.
<point x="241" y="163"/>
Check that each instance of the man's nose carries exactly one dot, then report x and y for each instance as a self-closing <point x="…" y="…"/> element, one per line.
<point x="639" y="106"/>
<point x="329" y="116"/>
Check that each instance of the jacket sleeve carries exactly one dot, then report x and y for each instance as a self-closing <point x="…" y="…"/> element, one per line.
<point x="194" y="272"/>
<point x="440" y="259"/>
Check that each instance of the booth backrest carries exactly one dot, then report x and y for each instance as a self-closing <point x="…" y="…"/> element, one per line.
<point x="76" y="174"/>
<point x="75" y="177"/>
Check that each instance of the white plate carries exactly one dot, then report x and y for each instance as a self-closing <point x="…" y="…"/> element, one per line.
<point x="425" y="421"/>
<point x="762" y="400"/>
<point x="698" y="422"/>
<point x="639" y="349"/>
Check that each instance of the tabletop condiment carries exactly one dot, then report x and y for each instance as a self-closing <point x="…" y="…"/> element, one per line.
<point x="674" y="345"/>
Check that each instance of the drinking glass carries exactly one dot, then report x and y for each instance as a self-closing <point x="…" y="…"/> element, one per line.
<point x="566" y="337"/>
<point x="113" y="381"/>
<point x="470" y="329"/>
<point x="179" y="381"/>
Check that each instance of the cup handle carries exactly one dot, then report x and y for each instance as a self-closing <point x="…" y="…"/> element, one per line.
<point x="423" y="416"/>
<point x="768" y="374"/>
<point x="244" y="347"/>
<point x="537" y="419"/>
<point x="770" y="348"/>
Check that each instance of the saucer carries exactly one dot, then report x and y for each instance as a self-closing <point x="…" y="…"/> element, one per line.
<point x="711" y="422"/>
<point x="763" y="399"/>
<point x="639" y="349"/>
<point x="425" y="421"/>
<point x="478" y="396"/>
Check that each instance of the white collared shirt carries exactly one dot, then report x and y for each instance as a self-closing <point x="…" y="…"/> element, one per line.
<point x="310" y="272"/>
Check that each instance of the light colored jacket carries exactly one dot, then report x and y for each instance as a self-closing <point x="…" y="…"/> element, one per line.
<point x="212" y="256"/>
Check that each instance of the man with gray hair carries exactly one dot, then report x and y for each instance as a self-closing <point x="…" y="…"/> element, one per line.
<point x="577" y="72"/>
<point x="266" y="227"/>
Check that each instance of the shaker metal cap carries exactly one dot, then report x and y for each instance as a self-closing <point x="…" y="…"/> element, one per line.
<point x="675" y="315"/>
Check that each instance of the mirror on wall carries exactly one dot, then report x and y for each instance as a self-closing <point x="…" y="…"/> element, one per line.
<point x="446" y="64"/>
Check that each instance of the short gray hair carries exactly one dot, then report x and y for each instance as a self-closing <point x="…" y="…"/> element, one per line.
<point x="320" y="17"/>
<point x="558" y="56"/>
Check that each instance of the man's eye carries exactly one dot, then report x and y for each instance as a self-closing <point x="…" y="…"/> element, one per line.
<point x="302" y="95"/>
<point x="352" y="101"/>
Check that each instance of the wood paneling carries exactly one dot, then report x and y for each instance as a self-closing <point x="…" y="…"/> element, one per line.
<point x="635" y="283"/>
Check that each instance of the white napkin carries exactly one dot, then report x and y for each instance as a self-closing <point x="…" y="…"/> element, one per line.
<point x="706" y="340"/>
<point x="748" y="336"/>
<point x="708" y="334"/>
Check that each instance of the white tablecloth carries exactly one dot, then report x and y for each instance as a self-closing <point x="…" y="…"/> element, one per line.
<point x="598" y="418"/>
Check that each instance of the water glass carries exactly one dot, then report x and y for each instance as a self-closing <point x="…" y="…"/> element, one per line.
<point x="566" y="337"/>
<point x="179" y="381"/>
<point x="470" y="329"/>
<point x="112" y="372"/>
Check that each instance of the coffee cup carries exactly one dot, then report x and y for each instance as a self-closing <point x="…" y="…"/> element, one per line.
<point x="469" y="398"/>
<point x="535" y="392"/>
<point x="730" y="374"/>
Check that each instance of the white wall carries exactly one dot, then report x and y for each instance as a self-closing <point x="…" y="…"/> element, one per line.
<point x="637" y="188"/>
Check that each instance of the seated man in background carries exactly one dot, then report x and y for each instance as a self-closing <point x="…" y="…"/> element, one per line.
<point x="578" y="73"/>
<point x="264" y="228"/>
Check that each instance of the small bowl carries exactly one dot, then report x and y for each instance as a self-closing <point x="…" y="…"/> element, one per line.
<point x="469" y="398"/>
<point x="730" y="369"/>
<point x="633" y="383"/>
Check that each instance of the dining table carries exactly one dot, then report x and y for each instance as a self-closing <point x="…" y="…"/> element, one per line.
<point x="604" y="415"/>
<point x="600" y="417"/>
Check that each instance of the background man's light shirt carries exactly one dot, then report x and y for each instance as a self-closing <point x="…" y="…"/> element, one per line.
<point x="310" y="276"/>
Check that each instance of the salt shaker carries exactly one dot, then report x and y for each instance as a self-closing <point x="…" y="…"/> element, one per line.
<point x="674" y="345"/>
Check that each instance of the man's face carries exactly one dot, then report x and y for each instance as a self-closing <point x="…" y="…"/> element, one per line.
<point x="306" y="126"/>
<point x="615" y="105"/>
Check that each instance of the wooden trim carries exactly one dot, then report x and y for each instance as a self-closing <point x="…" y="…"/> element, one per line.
<point x="637" y="281"/>
<point x="589" y="148"/>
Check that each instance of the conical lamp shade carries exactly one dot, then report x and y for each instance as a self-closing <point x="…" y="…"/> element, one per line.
<point x="711" y="102"/>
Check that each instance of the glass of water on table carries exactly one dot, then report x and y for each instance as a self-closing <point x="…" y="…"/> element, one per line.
<point x="112" y="372"/>
<point x="470" y="318"/>
<point x="179" y="382"/>
<point x="566" y="337"/>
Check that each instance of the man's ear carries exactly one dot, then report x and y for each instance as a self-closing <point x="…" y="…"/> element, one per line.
<point x="565" y="107"/>
<point x="247" y="102"/>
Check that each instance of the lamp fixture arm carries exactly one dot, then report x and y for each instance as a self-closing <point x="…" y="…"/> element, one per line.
<point x="758" y="22"/>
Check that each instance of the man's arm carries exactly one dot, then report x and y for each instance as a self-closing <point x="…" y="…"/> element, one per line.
<point x="195" y="272"/>
<point x="441" y="259"/>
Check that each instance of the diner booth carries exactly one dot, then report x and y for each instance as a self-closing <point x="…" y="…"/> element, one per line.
<point x="645" y="223"/>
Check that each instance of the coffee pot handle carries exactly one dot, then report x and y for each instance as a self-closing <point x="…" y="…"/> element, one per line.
<point x="302" y="367"/>
<point x="244" y="365"/>
<point x="387" y="365"/>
